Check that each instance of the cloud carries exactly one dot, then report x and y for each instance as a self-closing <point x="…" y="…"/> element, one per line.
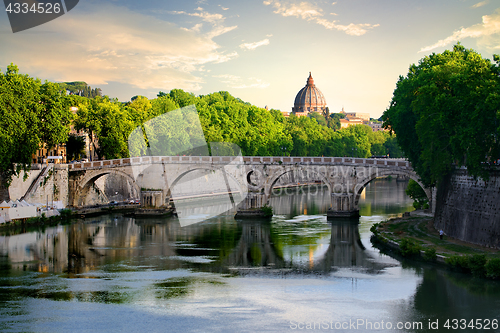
<point x="310" y="12"/>
<point x="236" y="82"/>
<point x="351" y="29"/>
<point x="481" y="4"/>
<point x="109" y="43"/>
<point x="253" y="46"/>
<point x="488" y="32"/>
<point x="216" y="20"/>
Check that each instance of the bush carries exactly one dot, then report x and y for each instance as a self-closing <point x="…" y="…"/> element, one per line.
<point x="493" y="268"/>
<point x="477" y="263"/>
<point x="425" y="205"/>
<point x="374" y="227"/>
<point x="268" y="211"/>
<point x="417" y="205"/>
<point x="460" y="263"/>
<point x="409" y="248"/>
<point x="430" y="254"/>
<point x="66" y="213"/>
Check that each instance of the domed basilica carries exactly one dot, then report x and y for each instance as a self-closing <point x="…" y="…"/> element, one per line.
<point x="310" y="99"/>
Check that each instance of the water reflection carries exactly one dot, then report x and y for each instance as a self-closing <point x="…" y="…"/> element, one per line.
<point x="122" y="243"/>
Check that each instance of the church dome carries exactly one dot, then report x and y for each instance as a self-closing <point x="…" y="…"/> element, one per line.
<point x="309" y="99"/>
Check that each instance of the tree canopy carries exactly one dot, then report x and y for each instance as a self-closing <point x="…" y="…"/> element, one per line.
<point x="80" y="88"/>
<point x="32" y="114"/>
<point x="445" y="111"/>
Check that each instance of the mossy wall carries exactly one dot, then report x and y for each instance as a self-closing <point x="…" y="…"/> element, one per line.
<point x="469" y="209"/>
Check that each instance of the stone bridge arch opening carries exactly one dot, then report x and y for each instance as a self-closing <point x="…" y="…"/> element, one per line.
<point x="213" y="181"/>
<point x="296" y="176"/>
<point x="103" y="186"/>
<point x="362" y="183"/>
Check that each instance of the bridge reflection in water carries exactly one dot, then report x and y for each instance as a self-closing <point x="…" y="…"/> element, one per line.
<point x="216" y="246"/>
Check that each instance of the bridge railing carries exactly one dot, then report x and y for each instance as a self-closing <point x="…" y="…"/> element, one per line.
<point x="239" y="159"/>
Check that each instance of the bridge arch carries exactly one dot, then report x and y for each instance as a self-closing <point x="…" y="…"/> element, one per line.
<point x="91" y="177"/>
<point x="269" y="184"/>
<point x="361" y="183"/>
<point x="213" y="169"/>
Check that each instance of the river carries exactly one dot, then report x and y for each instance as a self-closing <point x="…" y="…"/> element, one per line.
<point x="297" y="272"/>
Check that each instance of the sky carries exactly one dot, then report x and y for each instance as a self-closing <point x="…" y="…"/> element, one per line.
<point x="260" y="51"/>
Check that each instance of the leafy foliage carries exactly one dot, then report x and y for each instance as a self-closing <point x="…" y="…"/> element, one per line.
<point x="477" y="264"/>
<point x="493" y="268"/>
<point x="75" y="147"/>
<point x="32" y="114"/>
<point x="267" y="210"/>
<point x="430" y="254"/>
<point x="80" y="88"/>
<point x="446" y="110"/>
<point x="409" y="247"/>
<point x="460" y="263"/>
<point x="417" y="193"/>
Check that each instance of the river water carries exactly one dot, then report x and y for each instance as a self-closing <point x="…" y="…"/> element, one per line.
<point x="297" y="272"/>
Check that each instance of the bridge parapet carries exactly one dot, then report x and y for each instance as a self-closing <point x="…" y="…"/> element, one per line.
<point x="247" y="160"/>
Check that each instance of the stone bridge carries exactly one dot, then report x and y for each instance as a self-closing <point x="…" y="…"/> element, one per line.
<point x="246" y="182"/>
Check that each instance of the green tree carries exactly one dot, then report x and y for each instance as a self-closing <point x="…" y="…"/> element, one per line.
<point x="319" y="118"/>
<point x="392" y="147"/>
<point x="446" y="110"/>
<point x="75" y="147"/>
<point x="356" y="140"/>
<point x="417" y="193"/>
<point x="110" y="122"/>
<point x="334" y="120"/>
<point x="181" y="97"/>
<point x="32" y="114"/>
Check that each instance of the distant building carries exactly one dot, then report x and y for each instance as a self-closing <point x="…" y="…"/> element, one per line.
<point x="353" y="115"/>
<point x="310" y="99"/>
<point x="344" y="123"/>
<point x="376" y="126"/>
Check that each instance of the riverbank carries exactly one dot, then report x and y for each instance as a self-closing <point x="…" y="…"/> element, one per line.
<point x="414" y="236"/>
<point x="36" y="223"/>
<point x="67" y="215"/>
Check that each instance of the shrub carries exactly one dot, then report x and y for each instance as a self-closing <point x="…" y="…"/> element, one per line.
<point x="268" y="211"/>
<point x="66" y="213"/>
<point x="477" y="263"/>
<point x="425" y="205"/>
<point x="374" y="227"/>
<point x="460" y="263"/>
<point x="493" y="268"/>
<point x="430" y="254"/>
<point x="409" y="248"/>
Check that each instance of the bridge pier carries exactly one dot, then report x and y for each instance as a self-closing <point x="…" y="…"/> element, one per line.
<point x="342" y="206"/>
<point x="251" y="206"/>
<point x="153" y="199"/>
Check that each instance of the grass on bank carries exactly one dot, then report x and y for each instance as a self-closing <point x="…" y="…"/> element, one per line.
<point x="417" y="239"/>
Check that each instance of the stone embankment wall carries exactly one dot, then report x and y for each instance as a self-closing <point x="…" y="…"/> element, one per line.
<point x="50" y="187"/>
<point x="469" y="209"/>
